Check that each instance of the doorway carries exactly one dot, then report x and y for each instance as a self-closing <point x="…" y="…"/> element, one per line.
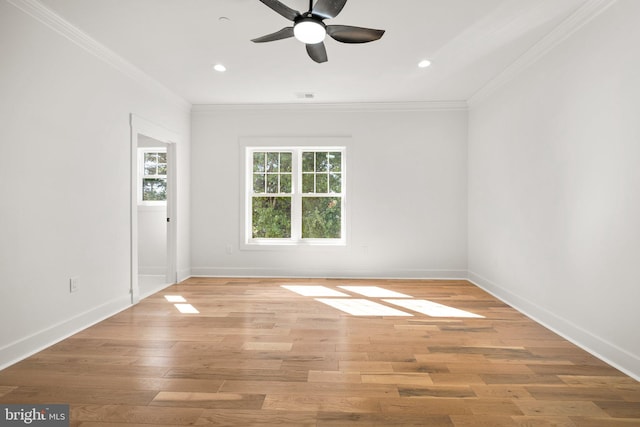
<point x="152" y="215"/>
<point x="153" y="219"/>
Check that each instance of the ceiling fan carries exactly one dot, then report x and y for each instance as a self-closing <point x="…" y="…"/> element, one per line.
<point x="310" y="29"/>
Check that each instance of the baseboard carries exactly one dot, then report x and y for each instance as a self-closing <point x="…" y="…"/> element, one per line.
<point x="25" y="347"/>
<point x="597" y="346"/>
<point x="328" y="273"/>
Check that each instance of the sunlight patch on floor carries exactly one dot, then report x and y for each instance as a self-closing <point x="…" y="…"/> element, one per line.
<point x="181" y="304"/>
<point x="374" y="292"/>
<point x="362" y="307"/>
<point x="314" y="291"/>
<point x="186" y="309"/>
<point x="431" y="308"/>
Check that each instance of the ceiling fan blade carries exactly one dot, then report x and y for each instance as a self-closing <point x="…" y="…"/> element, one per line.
<point x="317" y="52"/>
<point x="328" y="8"/>
<point x="349" y="34"/>
<point x="282" y="9"/>
<point x="284" y="33"/>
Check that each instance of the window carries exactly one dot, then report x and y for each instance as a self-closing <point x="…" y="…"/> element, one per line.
<point x="295" y="195"/>
<point x="153" y="176"/>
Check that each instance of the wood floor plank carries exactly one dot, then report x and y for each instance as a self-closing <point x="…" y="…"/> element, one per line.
<point x="564" y="408"/>
<point x="259" y="354"/>
<point x="6" y="389"/>
<point x="256" y="418"/>
<point x="61" y="395"/>
<point x="487" y="421"/>
<point x="318" y="388"/>
<point x="562" y="392"/>
<point x="131" y="415"/>
<point x="294" y="402"/>
<point x="618" y="409"/>
<point x="510" y="391"/>
<point x="426" y="406"/>
<point x="334" y="377"/>
<point x="401" y="379"/>
<point x="601" y="422"/>
<point x="111" y="382"/>
<point x="208" y="400"/>
<point x="437" y="391"/>
<point x="541" y="421"/>
<point x="342" y="419"/>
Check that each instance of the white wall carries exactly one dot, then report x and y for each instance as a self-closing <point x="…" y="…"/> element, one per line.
<point x="406" y="192"/>
<point x="65" y="182"/>
<point x="554" y="188"/>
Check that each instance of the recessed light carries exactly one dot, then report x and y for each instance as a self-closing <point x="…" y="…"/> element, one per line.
<point x="424" y="63"/>
<point x="220" y="68"/>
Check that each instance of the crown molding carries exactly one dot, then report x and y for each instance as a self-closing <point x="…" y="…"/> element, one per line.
<point x="338" y="107"/>
<point x="587" y="12"/>
<point x="40" y="12"/>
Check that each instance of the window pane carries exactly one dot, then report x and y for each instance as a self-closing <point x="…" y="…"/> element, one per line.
<point x="335" y="162"/>
<point x="162" y="157"/>
<point x="335" y="183"/>
<point x="162" y="168"/>
<point x="285" y="162"/>
<point x="258" y="183"/>
<point x="321" y="162"/>
<point x="154" y="189"/>
<point x="285" y="183"/>
<point x="258" y="162"/>
<point x="321" y="217"/>
<point x="272" y="162"/>
<point x="271" y="217"/>
<point x="272" y="183"/>
<point x="308" y="185"/>
<point x="322" y="183"/>
<point x="150" y="163"/>
<point x="308" y="162"/>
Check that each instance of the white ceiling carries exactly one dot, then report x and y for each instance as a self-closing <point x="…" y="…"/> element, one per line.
<point x="178" y="41"/>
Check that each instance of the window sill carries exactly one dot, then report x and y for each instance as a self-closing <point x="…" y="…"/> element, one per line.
<point x="270" y="245"/>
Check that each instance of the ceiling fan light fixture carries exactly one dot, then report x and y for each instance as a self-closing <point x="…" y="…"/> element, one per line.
<point x="310" y="28"/>
<point x="309" y="31"/>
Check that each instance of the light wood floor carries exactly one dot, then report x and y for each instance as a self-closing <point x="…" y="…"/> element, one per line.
<point x="260" y="354"/>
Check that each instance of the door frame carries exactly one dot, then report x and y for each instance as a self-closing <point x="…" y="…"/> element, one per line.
<point x="140" y="126"/>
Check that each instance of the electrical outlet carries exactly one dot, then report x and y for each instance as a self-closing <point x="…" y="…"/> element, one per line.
<point x="229" y="249"/>
<point x="73" y="284"/>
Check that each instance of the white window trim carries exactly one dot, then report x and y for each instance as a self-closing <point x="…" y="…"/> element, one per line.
<point x="141" y="176"/>
<point x="249" y="145"/>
